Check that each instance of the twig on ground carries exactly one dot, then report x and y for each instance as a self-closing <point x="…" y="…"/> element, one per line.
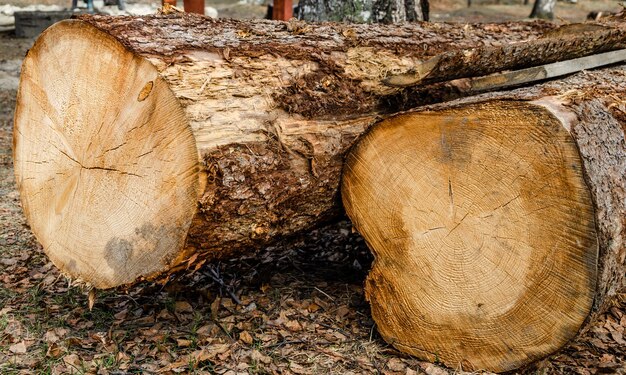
<point x="216" y="277"/>
<point x="324" y="293"/>
<point x="282" y="343"/>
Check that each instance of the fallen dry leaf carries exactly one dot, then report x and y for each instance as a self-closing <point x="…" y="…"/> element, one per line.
<point x="246" y="337"/>
<point x="432" y="369"/>
<point x="54" y="351"/>
<point x="121" y="315"/>
<point x="91" y="298"/>
<point x="182" y="307"/>
<point x="50" y="337"/>
<point x="215" y="307"/>
<point x="19" y="348"/>
<point x="395" y="364"/>
<point x="260" y="357"/>
<point x="293" y="326"/>
<point x="72" y="360"/>
<point x="165" y="315"/>
<point x="5" y="310"/>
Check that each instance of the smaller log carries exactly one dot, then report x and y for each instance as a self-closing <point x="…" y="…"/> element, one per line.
<point x="566" y="43"/>
<point x="542" y="72"/>
<point x="495" y="221"/>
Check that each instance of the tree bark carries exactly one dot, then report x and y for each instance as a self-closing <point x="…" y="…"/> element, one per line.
<point x="543" y="9"/>
<point x="498" y="222"/>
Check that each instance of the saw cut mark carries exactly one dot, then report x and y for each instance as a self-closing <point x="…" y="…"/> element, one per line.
<point x="495" y="266"/>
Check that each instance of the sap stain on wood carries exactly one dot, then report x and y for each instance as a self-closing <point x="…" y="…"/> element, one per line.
<point x="121" y="253"/>
<point x="147" y="89"/>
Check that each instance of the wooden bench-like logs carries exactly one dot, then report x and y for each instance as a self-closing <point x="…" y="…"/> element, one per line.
<point x="147" y="145"/>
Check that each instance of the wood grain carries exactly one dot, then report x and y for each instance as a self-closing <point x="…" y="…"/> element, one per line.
<point x="105" y="160"/>
<point x="483" y="231"/>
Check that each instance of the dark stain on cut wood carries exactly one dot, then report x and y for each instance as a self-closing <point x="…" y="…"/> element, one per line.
<point x="148" y="244"/>
<point x="118" y="251"/>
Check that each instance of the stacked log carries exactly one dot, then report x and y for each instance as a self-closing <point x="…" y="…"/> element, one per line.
<point x="148" y="145"/>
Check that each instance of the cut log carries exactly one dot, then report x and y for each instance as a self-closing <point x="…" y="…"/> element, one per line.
<point x="143" y="145"/>
<point x="495" y="221"/>
<point x="565" y="43"/>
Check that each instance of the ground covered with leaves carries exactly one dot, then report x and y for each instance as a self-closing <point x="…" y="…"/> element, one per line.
<point x="297" y="307"/>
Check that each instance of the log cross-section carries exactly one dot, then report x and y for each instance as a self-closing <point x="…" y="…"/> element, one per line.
<point x="498" y="222"/>
<point x="483" y="230"/>
<point x="105" y="159"/>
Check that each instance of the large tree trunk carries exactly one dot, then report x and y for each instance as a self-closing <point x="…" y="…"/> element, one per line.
<point x="145" y="144"/>
<point x="543" y="9"/>
<point x="498" y="223"/>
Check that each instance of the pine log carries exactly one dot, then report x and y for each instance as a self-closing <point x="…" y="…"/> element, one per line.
<point x="565" y="43"/>
<point x="146" y="144"/>
<point x="498" y="222"/>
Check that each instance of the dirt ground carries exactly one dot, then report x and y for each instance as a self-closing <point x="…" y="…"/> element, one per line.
<point x="297" y="307"/>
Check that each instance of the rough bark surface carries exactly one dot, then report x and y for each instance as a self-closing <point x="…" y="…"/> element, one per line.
<point x="565" y="43"/>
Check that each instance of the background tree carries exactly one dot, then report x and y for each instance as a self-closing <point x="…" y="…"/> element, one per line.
<point x="543" y="9"/>
<point x="363" y="11"/>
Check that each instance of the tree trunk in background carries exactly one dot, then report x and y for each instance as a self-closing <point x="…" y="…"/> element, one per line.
<point x="543" y="9"/>
<point x="397" y="11"/>
<point x="364" y="11"/>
